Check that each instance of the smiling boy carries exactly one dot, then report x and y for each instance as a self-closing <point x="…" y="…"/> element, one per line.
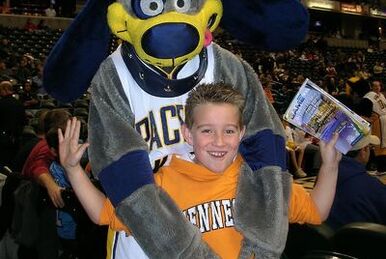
<point x="204" y="185"/>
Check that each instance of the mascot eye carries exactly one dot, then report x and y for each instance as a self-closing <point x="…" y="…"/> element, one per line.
<point x="148" y="8"/>
<point x="182" y="6"/>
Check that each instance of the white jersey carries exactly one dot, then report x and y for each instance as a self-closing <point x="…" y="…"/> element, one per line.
<point x="123" y="246"/>
<point x="379" y="102"/>
<point x="156" y="120"/>
<point x="159" y="123"/>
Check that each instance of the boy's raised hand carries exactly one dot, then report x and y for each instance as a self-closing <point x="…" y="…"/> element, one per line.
<point x="330" y="155"/>
<point x="324" y="190"/>
<point x="70" y="151"/>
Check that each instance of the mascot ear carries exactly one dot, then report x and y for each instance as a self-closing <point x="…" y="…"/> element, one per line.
<point x="77" y="55"/>
<point x="271" y="25"/>
<point x="117" y="18"/>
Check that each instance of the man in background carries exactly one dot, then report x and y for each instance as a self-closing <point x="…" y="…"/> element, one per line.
<point x="377" y="98"/>
<point x="378" y="123"/>
<point x="359" y="196"/>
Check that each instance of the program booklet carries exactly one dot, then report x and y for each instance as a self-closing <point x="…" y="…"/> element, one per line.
<point x="318" y="113"/>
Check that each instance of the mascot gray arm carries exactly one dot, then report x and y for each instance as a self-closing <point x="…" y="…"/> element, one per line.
<point x="120" y="160"/>
<point x="261" y="208"/>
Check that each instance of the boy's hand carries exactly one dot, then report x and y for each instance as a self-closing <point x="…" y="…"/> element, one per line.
<point x="330" y="155"/>
<point x="70" y="151"/>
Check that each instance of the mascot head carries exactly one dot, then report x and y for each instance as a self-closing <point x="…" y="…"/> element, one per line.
<point x="165" y="34"/>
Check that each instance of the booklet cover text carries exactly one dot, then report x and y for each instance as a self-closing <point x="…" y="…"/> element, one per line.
<point x="319" y="114"/>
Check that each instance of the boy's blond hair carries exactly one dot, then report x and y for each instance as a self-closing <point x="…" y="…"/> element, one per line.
<point x="217" y="93"/>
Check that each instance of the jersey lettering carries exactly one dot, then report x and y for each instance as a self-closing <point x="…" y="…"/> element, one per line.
<point x="227" y="213"/>
<point x="217" y="221"/>
<point x="159" y="163"/>
<point x="154" y="136"/>
<point x="180" y="113"/>
<point x="203" y="215"/>
<point x="162" y="129"/>
<point x="169" y="138"/>
<point x="211" y="215"/>
<point x="381" y="104"/>
<point x="143" y="128"/>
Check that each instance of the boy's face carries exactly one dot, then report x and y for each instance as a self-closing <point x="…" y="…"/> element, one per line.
<point x="215" y="135"/>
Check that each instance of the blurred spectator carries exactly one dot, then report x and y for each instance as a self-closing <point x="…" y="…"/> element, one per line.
<point x="295" y="145"/>
<point x="359" y="197"/>
<point x="42" y="25"/>
<point x="37" y="165"/>
<point x="65" y="223"/>
<point x="329" y="84"/>
<point x="37" y="80"/>
<point x="29" y="25"/>
<point x="357" y="88"/>
<point x="266" y="83"/>
<point x="341" y="86"/>
<point x="378" y="69"/>
<point x="5" y="73"/>
<point x="29" y="96"/>
<point x="378" y="120"/>
<point x="37" y="168"/>
<point x="267" y="63"/>
<point x="5" y="49"/>
<point x="361" y="58"/>
<point x="24" y="69"/>
<point x="25" y="148"/>
<point x="363" y="72"/>
<point x="378" y="129"/>
<point x="298" y="80"/>
<point x="12" y="121"/>
<point x="377" y="98"/>
<point x="364" y="109"/>
<point x="330" y="70"/>
<point x="50" y="11"/>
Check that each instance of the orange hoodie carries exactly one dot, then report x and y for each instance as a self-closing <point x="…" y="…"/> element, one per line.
<point x="207" y="198"/>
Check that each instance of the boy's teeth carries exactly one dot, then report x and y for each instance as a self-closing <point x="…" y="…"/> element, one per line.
<point x="217" y="154"/>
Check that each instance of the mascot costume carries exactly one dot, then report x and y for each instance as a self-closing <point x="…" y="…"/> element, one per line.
<point x="137" y="101"/>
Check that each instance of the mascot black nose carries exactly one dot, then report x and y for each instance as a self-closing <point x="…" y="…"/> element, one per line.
<point x="170" y="40"/>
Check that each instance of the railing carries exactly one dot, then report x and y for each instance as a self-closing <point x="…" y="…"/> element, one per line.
<point x="347" y="43"/>
<point x="19" y="21"/>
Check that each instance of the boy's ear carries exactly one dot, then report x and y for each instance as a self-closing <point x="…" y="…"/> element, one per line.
<point x="187" y="134"/>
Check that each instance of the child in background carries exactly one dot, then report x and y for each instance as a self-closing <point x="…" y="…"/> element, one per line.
<point x="296" y="145"/>
<point x="66" y="226"/>
<point x="203" y="186"/>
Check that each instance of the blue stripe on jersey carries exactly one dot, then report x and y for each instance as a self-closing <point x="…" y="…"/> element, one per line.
<point x="124" y="176"/>
<point x="264" y="149"/>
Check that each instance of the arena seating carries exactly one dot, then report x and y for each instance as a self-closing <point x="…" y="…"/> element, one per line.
<point x="361" y="239"/>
